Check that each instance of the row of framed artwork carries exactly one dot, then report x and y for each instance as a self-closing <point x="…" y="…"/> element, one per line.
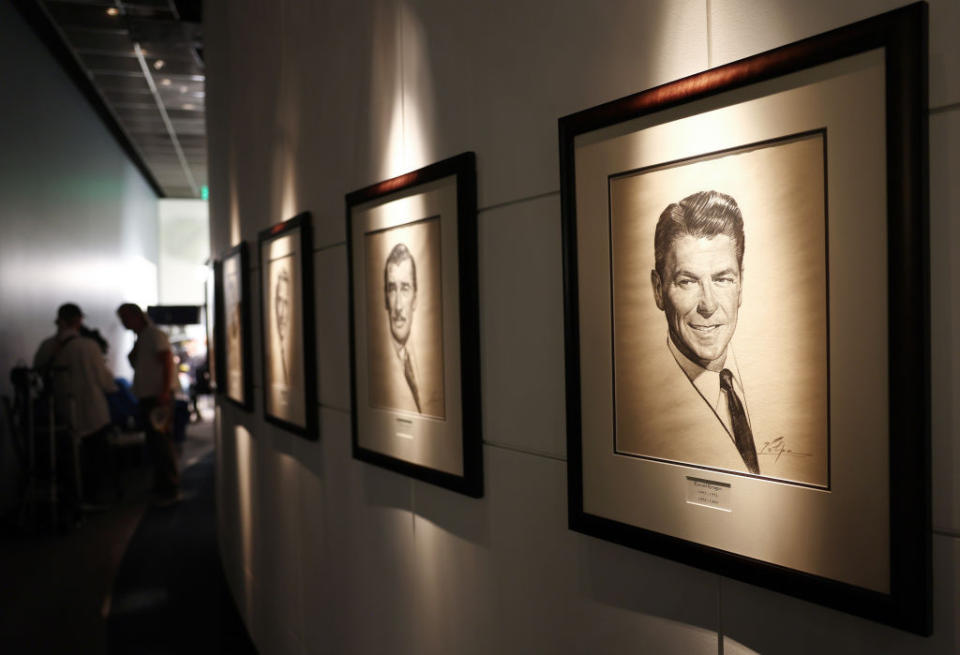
<point x="760" y="411"/>
<point x="414" y="325"/>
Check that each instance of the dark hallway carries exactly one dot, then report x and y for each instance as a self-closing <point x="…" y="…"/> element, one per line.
<point x="132" y="578"/>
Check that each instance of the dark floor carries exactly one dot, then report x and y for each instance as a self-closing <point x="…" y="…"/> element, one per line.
<point x="132" y="578"/>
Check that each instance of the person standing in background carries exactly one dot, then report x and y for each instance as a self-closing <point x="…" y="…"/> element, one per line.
<point x="74" y="371"/>
<point x="154" y="382"/>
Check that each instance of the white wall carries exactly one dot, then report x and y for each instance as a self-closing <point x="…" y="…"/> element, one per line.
<point x="78" y="221"/>
<point x="325" y="554"/>
<point x="184" y="247"/>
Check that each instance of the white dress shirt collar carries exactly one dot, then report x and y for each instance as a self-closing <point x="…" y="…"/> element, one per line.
<point x="707" y="382"/>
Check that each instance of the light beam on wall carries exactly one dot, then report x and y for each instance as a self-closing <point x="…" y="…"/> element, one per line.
<point x="242" y="443"/>
<point x="286" y="178"/>
<point x="401" y="89"/>
<point x="288" y="142"/>
<point x="234" y="206"/>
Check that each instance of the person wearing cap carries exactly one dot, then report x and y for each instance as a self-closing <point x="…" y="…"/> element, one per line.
<point x="154" y="383"/>
<point x="74" y="368"/>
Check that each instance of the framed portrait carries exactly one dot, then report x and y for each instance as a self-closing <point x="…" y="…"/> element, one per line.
<point x="746" y="319"/>
<point x="287" y="326"/>
<point x="414" y="345"/>
<point x="211" y="322"/>
<point x="235" y="294"/>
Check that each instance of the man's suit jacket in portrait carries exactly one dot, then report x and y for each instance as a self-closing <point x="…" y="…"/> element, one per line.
<point x="667" y="417"/>
<point x="675" y="422"/>
<point x="401" y="398"/>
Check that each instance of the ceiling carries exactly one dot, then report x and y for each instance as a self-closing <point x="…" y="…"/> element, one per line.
<point x="140" y="62"/>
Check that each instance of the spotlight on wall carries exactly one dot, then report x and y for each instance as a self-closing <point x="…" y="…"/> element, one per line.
<point x="189" y="107"/>
<point x="166" y="81"/>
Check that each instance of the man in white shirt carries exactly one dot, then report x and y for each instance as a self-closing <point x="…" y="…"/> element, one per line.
<point x="697" y="282"/>
<point x="80" y="376"/>
<point x="74" y="367"/>
<point x="154" y="383"/>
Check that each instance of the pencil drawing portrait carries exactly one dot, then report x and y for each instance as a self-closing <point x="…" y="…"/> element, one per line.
<point x="232" y="302"/>
<point x="281" y="300"/>
<point x="719" y="289"/>
<point x="696" y="282"/>
<point x="284" y="338"/>
<point x="405" y="335"/>
<point x="400" y="300"/>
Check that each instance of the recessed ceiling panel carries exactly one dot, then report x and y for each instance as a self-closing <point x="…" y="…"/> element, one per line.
<point x="167" y="65"/>
<point x="160" y="110"/>
<point x="127" y="97"/>
<point x="127" y="82"/>
<point x="89" y="16"/>
<point x="101" y="63"/>
<point x="101" y="41"/>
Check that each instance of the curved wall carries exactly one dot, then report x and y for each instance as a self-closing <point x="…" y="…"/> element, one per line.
<point x="308" y="101"/>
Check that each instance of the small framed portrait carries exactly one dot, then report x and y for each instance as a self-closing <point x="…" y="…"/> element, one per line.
<point x="211" y="321"/>
<point x="235" y="295"/>
<point x="287" y="326"/>
<point x="412" y="243"/>
<point x="725" y="236"/>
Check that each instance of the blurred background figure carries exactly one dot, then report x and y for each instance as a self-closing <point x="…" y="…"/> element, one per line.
<point x="74" y="373"/>
<point x="154" y="385"/>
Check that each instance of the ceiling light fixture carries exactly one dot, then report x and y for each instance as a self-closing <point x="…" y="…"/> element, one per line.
<point x="166" y="81"/>
<point x="112" y="11"/>
<point x="159" y="64"/>
<point x="189" y="107"/>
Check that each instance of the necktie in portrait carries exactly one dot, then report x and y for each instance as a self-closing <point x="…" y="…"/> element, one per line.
<point x="411" y="380"/>
<point x="742" y="434"/>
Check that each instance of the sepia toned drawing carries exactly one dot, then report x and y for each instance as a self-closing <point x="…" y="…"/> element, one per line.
<point x="406" y="331"/>
<point x="284" y="341"/>
<point x="232" y="302"/>
<point x="287" y="326"/>
<point x="400" y="298"/>
<point x="738" y="379"/>
<point x="696" y="283"/>
<point x="281" y="314"/>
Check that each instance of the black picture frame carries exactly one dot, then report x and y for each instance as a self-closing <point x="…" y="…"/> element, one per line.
<point x="212" y="318"/>
<point x="902" y="36"/>
<point x="296" y="238"/>
<point x="234" y="267"/>
<point x="457" y="221"/>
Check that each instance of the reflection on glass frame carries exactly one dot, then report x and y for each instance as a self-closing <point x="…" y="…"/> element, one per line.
<point x="414" y="354"/>
<point x="724" y="237"/>
<point x="287" y="326"/>
<point x="237" y="380"/>
<point x="212" y="321"/>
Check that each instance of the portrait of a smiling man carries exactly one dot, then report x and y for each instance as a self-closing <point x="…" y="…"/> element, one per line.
<point x="720" y="298"/>
<point x="697" y="284"/>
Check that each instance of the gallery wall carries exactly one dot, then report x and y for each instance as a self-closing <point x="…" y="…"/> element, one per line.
<point x="324" y="554"/>
<point x="79" y="222"/>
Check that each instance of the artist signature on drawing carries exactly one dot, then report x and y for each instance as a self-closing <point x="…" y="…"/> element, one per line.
<point x="778" y="448"/>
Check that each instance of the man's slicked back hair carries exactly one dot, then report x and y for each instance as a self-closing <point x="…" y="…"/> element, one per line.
<point x="397" y="255"/>
<point x="704" y="214"/>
